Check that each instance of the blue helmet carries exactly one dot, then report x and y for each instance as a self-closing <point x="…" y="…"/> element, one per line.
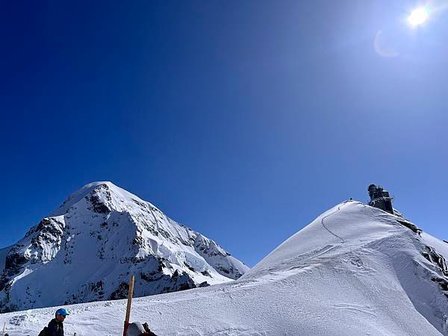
<point x="62" y="311"/>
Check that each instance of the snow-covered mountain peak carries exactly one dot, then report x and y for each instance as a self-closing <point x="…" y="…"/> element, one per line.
<point x="355" y="270"/>
<point x="368" y="257"/>
<point x="103" y="195"/>
<point x="98" y="237"/>
<point x="335" y="232"/>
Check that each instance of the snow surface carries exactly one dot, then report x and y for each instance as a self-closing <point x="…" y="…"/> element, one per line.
<point x="353" y="271"/>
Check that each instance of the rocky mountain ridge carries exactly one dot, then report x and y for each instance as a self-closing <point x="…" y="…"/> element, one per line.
<point x="87" y="249"/>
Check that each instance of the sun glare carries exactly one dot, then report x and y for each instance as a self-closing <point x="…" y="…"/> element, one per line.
<point x="418" y="17"/>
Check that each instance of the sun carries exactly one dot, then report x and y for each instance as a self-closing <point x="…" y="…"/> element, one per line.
<point x="418" y="17"/>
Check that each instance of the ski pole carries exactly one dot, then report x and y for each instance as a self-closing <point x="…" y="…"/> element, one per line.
<point x="128" y="307"/>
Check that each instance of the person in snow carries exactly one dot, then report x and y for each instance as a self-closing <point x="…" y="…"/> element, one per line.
<point x="56" y="325"/>
<point x="137" y="329"/>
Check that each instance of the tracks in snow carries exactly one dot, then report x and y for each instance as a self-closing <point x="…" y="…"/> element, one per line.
<point x="322" y="221"/>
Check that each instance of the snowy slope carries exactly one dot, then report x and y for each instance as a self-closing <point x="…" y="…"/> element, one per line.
<point x="89" y="246"/>
<point x="353" y="271"/>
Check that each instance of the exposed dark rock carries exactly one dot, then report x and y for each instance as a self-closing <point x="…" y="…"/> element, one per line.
<point x="191" y="268"/>
<point x="98" y="206"/>
<point x="380" y="198"/>
<point x="97" y="287"/>
<point x="224" y="270"/>
<point x="137" y="241"/>
<point x="182" y="282"/>
<point x="409" y="225"/>
<point x="121" y="292"/>
<point x="14" y="261"/>
<point x="440" y="263"/>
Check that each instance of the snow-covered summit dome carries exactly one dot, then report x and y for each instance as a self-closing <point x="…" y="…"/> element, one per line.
<point x="346" y="227"/>
<point x="105" y="190"/>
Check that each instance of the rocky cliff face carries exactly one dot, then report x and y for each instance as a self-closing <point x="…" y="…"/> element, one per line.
<point x="88" y="248"/>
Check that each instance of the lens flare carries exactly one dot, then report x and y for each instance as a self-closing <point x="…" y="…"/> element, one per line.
<point x="418" y="17"/>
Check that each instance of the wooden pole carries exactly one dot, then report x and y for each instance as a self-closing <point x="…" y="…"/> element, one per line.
<point x="128" y="308"/>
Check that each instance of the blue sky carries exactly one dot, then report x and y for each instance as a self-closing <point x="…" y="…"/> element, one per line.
<point x="241" y="119"/>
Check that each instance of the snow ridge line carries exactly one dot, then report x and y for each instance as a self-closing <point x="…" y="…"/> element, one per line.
<point x="326" y="228"/>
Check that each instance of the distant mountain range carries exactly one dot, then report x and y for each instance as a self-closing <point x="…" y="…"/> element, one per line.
<point x="87" y="249"/>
